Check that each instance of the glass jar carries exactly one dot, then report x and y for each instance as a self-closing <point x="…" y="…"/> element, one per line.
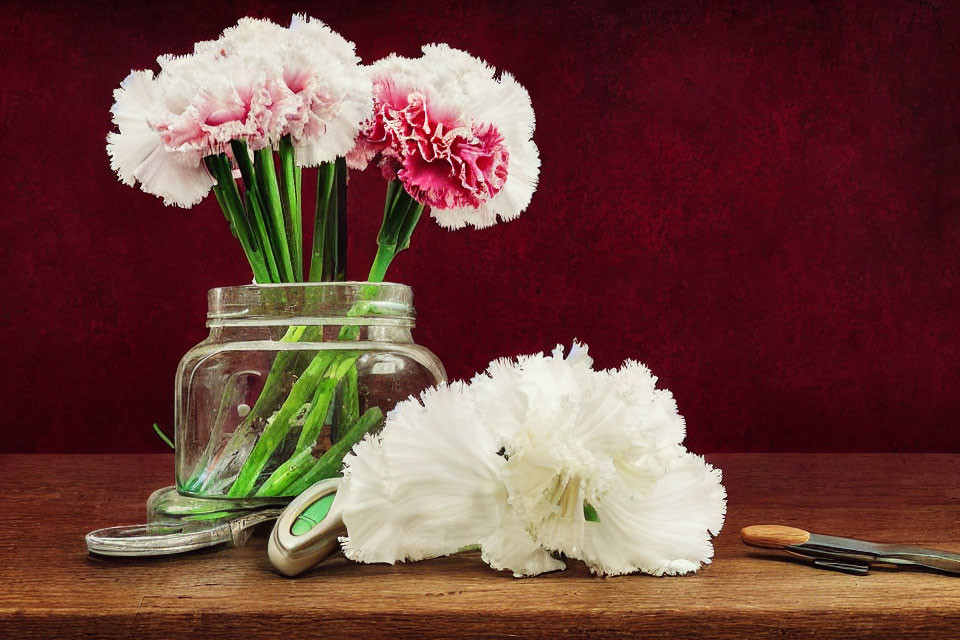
<point x="289" y="379"/>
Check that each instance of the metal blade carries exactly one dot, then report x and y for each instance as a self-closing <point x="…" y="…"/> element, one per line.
<point x="162" y="539"/>
<point x="833" y="547"/>
<point x="929" y="558"/>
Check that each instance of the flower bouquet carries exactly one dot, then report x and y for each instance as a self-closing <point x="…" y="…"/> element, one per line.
<point x="244" y="116"/>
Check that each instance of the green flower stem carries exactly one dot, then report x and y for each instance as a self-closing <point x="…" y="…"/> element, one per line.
<point x="278" y="427"/>
<point x="272" y="387"/>
<point x="297" y="173"/>
<point x="319" y="410"/>
<point x="391" y="205"/>
<point x="286" y="362"/>
<point x="255" y="206"/>
<point x="287" y="473"/>
<point x="312" y="425"/>
<point x="340" y="265"/>
<point x="330" y="462"/>
<point x="223" y="208"/>
<point x="290" y="202"/>
<point x="338" y="367"/>
<point x="401" y="214"/>
<point x="349" y="406"/>
<point x="229" y="398"/>
<point x="297" y="464"/>
<point x="297" y="176"/>
<point x="328" y="261"/>
<point x="163" y="436"/>
<point x="229" y="198"/>
<point x="269" y="190"/>
<point x="410" y="220"/>
<point x="381" y="262"/>
<point x="322" y="400"/>
<point x="326" y="200"/>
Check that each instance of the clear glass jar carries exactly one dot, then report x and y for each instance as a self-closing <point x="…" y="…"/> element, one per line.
<point x="290" y="377"/>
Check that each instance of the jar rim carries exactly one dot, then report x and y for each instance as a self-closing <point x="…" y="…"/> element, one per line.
<point x="311" y="303"/>
<point x="300" y="285"/>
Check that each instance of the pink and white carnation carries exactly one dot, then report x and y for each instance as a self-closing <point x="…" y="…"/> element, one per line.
<point x="137" y="153"/>
<point x="318" y="91"/>
<point x="457" y="137"/>
<point x="257" y="83"/>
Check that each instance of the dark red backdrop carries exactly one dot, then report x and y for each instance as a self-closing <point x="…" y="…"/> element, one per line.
<point x="760" y="202"/>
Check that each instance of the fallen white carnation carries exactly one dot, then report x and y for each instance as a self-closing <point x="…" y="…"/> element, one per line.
<point x="514" y="462"/>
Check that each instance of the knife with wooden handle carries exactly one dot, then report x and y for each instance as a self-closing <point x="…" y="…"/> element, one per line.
<point x="847" y="554"/>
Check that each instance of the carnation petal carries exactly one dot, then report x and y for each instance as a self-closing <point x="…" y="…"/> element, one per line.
<point x="137" y="152"/>
<point x="236" y="88"/>
<point x="665" y="530"/>
<point x="162" y="175"/>
<point x="511" y="548"/>
<point x="427" y="486"/>
<point x="136" y="140"/>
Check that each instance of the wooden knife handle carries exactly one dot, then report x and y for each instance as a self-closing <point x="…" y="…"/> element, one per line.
<point x="773" y="536"/>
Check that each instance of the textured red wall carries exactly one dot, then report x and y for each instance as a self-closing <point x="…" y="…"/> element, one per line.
<point x="759" y="200"/>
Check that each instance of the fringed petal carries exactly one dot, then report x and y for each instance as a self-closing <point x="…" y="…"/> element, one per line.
<point x="665" y="530"/>
<point x="257" y="83"/>
<point x="161" y="175"/>
<point x="510" y="548"/>
<point x="133" y="106"/>
<point x="656" y="419"/>
<point x="427" y="486"/>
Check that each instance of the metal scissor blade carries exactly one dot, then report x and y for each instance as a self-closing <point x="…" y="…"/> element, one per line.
<point x="836" y="548"/>
<point x="163" y="539"/>
<point x="930" y="558"/>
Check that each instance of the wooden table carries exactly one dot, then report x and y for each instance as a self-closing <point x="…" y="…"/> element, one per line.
<point x="50" y="587"/>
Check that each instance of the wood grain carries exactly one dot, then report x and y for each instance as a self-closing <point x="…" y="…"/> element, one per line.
<point x="773" y="536"/>
<point x="52" y="588"/>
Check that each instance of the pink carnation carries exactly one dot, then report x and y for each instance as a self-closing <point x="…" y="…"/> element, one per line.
<point x="441" y="161"/>
<point x="457" y="134"/>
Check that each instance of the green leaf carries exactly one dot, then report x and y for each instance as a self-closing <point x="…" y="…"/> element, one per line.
<point x="589" y="513"/>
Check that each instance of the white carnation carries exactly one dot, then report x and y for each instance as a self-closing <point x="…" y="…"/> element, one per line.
<point x="514" y="461"/>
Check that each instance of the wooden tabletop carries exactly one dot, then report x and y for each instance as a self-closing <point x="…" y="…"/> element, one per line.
<point x="50" y="587"/>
